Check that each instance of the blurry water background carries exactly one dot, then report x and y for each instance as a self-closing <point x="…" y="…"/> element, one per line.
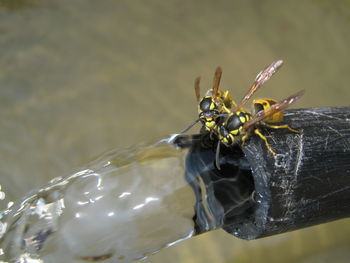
<point x="81" y="77"/>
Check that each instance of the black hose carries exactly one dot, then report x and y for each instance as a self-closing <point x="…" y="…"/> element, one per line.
<point x="306" y="183"/>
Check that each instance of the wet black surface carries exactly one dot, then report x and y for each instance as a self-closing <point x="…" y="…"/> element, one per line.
<point x="256" y="194"/>
<point x="308" y="181"/>
<point x="227" y="193"/>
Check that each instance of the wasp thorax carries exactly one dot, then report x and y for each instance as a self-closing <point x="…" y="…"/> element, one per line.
<point x="207" y="104"/>
<point x="235" y="122"/>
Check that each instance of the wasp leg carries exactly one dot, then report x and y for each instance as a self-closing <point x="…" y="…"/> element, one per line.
<point x="257" y="132"/>
<point x="244" y="138"/>
<point x="217" y="156"/>
<point x="228" y="101"/>
<point x="284" y="126"/>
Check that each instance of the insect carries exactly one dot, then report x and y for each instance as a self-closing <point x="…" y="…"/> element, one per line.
<point x="214" y="106"/>
<point x="240" y="124"/>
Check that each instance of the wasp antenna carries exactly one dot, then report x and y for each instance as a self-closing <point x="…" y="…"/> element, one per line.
<point x="190" y="126"/>
<point x="197" y="88"/>
<point x="217" y="156"/>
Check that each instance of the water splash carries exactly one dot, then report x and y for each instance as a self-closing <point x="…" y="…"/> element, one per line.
<point x="124" y="206"/>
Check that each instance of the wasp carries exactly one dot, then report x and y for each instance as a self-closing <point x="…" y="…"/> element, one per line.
<point x="240" y="124"/>
<point x="214" y="106"/>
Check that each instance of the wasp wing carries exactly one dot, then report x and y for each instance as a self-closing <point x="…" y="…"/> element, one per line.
<point x="279" y="106"/>
<point x="216" y="82"/>
<point x="260" y="79"/>
<point x="197" y="89"/>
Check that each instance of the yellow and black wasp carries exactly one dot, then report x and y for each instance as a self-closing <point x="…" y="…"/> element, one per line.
<point x="240" y="124"/>
<point x="214" y="106"/>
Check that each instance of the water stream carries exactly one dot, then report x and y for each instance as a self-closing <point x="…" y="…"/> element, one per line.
<point x="124" y="206"/>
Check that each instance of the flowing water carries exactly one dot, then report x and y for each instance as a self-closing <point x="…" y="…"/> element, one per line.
<point x="124" y="206"/>
<point x="128" y="204"/>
